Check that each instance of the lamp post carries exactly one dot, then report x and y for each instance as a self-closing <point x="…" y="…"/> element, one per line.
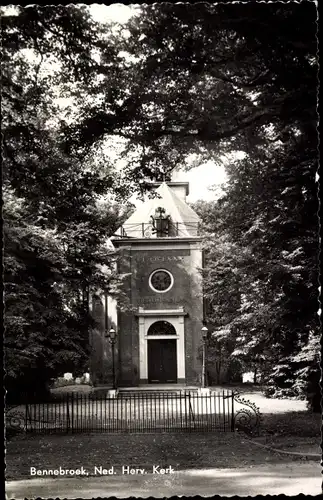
<point x="112" y="336"/>
<point x="204" y="331"/>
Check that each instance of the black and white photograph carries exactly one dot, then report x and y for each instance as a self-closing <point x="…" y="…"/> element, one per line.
<point x="161" y="249"/>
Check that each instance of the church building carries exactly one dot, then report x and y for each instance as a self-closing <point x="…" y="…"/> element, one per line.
<point x="158" y="338"/>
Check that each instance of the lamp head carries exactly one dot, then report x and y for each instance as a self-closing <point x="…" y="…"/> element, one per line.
<point x="204" y="331"/>
<point x="112" y="334"/>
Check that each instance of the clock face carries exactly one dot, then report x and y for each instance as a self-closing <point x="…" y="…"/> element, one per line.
<point x="161" y="281"/>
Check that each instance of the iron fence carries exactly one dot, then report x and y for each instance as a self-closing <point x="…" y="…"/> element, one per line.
<point x="137" y="412"/>
<point x="173" y="229"/>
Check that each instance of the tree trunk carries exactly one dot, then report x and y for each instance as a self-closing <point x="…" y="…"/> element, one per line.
<point x="255" y="373"/>
<point x="218" y="371"/>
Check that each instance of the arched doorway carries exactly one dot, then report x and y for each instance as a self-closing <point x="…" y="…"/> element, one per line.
<point x="162" y="355"/>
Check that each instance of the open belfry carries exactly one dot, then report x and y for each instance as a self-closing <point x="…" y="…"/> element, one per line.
<point x="158" y="339"/>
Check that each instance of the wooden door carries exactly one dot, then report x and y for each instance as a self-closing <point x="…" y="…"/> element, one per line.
<point x="162" y="361"/>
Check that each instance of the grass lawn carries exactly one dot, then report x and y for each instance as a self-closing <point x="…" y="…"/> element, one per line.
<point x="293" y="431"/>
<point x="292" y="424"/>
<point x="182" y="451"/>
<point x="79" y="388"/>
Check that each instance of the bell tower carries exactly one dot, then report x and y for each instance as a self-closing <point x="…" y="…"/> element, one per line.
<point x="160" y="252"/>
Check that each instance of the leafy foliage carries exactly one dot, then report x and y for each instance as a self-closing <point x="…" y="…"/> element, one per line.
<point x="59" y="209"/>
<point x="202" y="79"/>
<point x="261" y="273"/>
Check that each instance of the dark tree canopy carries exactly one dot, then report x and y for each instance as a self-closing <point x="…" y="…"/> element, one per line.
<point x="207" y="78"/>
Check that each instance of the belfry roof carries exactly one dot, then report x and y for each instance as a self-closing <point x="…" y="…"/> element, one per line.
<point x="179" y="211"/>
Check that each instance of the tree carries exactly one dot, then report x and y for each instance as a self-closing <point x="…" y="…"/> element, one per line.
<point x="262" y="285"/>
<point x="59" y="209"/>
<point x="42" y="334"/>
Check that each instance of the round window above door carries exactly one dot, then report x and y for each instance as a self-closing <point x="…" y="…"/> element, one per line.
<point x="161" y="281"/>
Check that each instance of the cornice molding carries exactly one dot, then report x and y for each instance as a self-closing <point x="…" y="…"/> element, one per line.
<point x="161" y="312"/>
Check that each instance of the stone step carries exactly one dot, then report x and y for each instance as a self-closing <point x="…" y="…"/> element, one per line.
<point x="158" y="388"/>
<point x="147" y="393"/>
<point x="162" y="394"/>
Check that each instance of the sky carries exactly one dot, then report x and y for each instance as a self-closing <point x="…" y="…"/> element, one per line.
<point x="201" y="179"/>
<point x="116" y="12"/>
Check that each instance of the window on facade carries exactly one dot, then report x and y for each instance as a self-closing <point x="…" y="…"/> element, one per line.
<point x="161" y="328"/>
<point x="161" y="281"/>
